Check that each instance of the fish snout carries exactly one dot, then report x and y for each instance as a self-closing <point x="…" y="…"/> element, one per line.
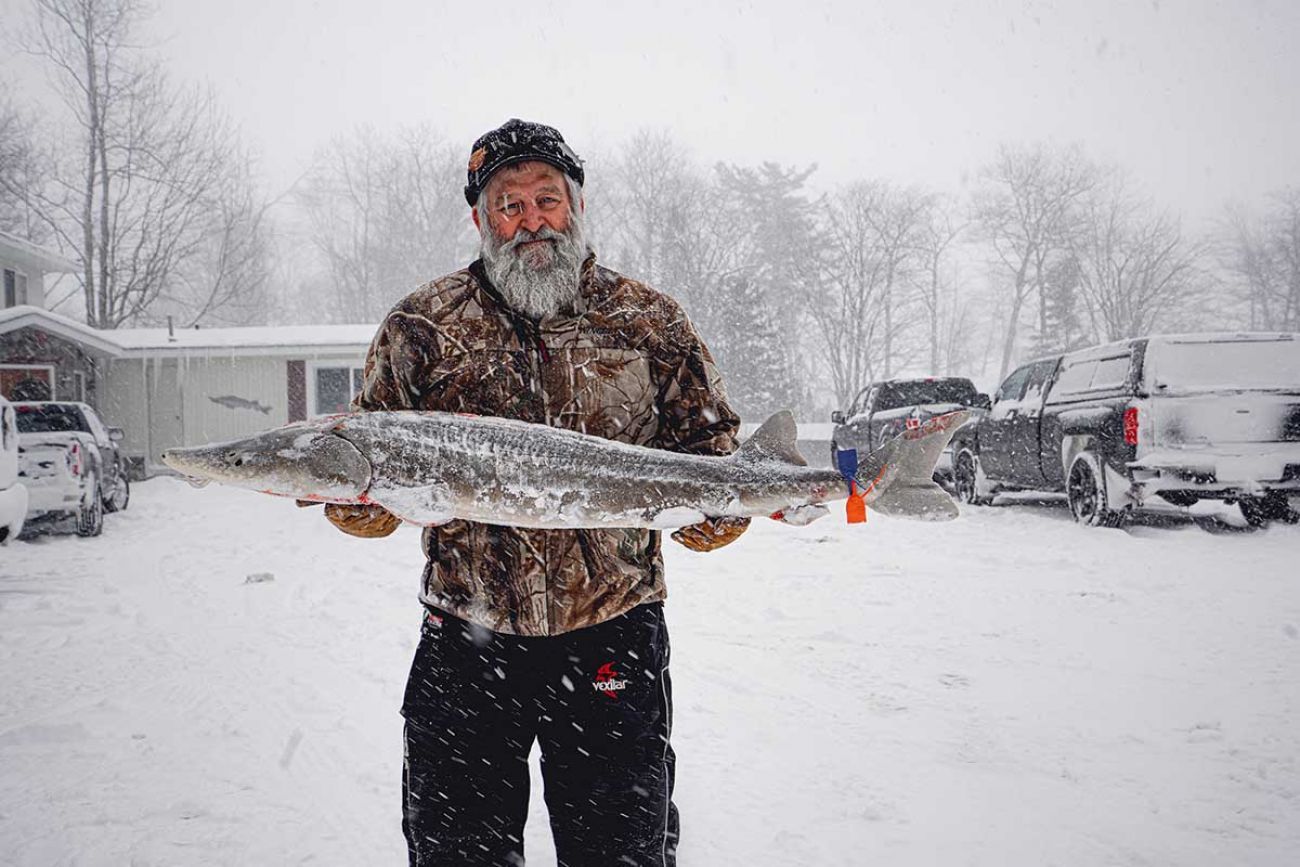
<point x="175" y="458"/>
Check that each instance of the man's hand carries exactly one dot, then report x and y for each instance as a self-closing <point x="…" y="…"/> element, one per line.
<point x="711" y="533"/>
<point x="368" y="522"/>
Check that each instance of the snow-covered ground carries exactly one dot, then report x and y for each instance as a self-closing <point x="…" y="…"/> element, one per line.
<point x="1007" y="689"/>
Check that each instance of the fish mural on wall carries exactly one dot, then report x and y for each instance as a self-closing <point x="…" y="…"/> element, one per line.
<point x="230" y="401"/>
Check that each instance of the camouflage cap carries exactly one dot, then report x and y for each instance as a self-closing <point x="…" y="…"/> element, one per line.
<point x="517" y="141"/>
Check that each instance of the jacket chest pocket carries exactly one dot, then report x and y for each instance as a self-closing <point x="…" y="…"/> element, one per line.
<point x="604" y="392"/>
<point x="484" y="382"/>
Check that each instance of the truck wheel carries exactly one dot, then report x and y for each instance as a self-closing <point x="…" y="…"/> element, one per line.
<point x="90" y="517"/>
<point x="1087" y="493"/>
<point x="119" y="495"/>
<point x="1273" y="506"/>
<point x="965" y="471"/>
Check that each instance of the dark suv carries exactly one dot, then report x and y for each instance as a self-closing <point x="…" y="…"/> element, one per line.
<point x="882" y="410"/>
<point x="1146" y="424"/>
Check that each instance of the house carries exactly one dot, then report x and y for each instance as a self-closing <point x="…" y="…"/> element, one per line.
<point x="169" y="387"/>
<point x="23" y="266"/>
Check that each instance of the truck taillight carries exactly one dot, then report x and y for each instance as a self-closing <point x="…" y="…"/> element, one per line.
<point x="1131" y="426"/>
<point x="74" y="459"/>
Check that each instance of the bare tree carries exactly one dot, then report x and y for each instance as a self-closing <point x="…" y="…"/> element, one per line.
<point x="937" y="234"/>
<point x="386" y="215"/>
<point x="1264" y="256"/>
<point x="1027" y="210"/>
<point x="651" y="209"/>
<point x="147" y="177"/>
<point x="874" y="231"/>
<point x="1134" y="263"/>
<point x="20" y="171"/>
<point x="713" y="241"/>
<point x="226" y="279"/>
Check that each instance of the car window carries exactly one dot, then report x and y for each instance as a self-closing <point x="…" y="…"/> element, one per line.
<point x="859" y="402"/>
<point x="1013" y="387"/>
<point x="96" y="427"/>
<point x="1093" y="374"/>
<point x="1076" y="376"/>
<point x="1112" y="372"/>
<point x="48" y="418"/>
<point x="1039" y="375"/>
<point x="894" y="395"/>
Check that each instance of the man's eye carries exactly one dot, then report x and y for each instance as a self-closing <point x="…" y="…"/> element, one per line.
<point x="511" y="209"/>
<point x="546" y="203"/>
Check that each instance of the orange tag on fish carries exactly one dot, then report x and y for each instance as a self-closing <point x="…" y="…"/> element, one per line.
<point x="855" y="507"/>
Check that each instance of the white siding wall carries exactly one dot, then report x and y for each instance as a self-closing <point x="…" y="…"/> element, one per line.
<point x="262" y="381"/>
<point x="165" y="402"/>
<point x="120" y="401"/>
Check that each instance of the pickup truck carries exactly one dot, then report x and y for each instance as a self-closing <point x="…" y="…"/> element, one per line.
<point x="882" y="410"/>
<point x="71" y="465"/>
<point x="1148" y="424"/>
<point x="13" y="493"/>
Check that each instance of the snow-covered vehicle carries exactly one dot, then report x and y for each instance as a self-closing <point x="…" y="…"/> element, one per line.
<point x="70" y="462"/>
<point x="884" y="409"/>
<point x="13" y="493"/>
<point x="1150" y="423"/>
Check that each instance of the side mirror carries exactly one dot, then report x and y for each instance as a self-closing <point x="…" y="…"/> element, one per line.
<point x="116" y="434"/>
<point x="982" y="401"/>
<point x="837" y="417"/>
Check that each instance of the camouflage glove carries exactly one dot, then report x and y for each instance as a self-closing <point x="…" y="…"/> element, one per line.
<point x="368" y="522"/>
<point x="711" y="533"/>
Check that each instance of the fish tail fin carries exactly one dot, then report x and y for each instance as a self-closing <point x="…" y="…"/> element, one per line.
<point x="918" y="499"/>
<point x="898" y="477"/>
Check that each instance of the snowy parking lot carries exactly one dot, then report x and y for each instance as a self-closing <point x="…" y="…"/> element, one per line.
<point x="216" y="681"/>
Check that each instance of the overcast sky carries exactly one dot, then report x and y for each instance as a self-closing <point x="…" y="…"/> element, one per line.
<point x="1198" y="98"/>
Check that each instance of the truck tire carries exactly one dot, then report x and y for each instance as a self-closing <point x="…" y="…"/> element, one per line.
<point x="116" y="497"/>
<point x="1273" y="506"/>
<point x="90" y="516"/>
<point x="966" y="473"/>
<point x="1085" y="488"/>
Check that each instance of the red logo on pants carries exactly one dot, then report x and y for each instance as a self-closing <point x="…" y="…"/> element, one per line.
<point x="608" y="682"/>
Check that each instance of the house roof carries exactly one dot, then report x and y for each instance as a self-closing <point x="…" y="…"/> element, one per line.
<point x="190" y="342"/>
<point x="42" y="257"/>
<point x="14" y="318"/>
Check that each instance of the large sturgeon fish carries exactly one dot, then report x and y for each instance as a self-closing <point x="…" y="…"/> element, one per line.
<point x="431" y="467"/>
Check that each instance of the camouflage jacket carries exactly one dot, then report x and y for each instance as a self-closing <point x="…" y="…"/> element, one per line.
<point x="626" y="365"/>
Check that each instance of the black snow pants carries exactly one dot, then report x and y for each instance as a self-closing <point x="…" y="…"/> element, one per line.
<point x="599" y="702"/>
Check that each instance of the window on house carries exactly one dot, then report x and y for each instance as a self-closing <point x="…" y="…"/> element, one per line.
<point x="27" y="381"/>
<point x="335" y="387"/>
<point x="10" y="288"/>
<point x="20" y="291"/>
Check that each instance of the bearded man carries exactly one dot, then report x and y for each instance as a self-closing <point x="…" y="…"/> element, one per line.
<point x="553" y="636"/>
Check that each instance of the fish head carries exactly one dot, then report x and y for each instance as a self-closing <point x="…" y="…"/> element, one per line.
<point x="300" y="461"/>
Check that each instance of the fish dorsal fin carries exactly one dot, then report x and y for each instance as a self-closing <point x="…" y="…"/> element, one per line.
<point x="773" y="441"/>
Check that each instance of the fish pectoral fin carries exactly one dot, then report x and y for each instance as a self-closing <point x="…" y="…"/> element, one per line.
<point x="802" y="516"/>
<point x="425" y="505"/>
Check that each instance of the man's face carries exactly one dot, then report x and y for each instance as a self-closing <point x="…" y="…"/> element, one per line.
<point x="533" y="245"/>
<point x="528" y="196"/>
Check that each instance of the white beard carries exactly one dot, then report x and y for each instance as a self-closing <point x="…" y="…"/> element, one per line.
<point x="542" y="279"/>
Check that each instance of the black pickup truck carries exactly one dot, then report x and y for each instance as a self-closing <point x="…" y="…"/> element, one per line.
<point x="1153" y="423"/>
<point x="883" y="409"/>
